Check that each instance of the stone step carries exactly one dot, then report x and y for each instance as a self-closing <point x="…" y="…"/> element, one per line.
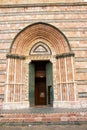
<point x="43" y="118"/>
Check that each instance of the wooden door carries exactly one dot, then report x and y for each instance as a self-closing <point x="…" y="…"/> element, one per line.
<point x="40" y="91"/>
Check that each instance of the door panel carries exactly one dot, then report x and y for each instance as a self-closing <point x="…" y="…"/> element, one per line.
<point x="40" y="91"/>
<point x="49" y="83"/>
<point x="31" y="84"/>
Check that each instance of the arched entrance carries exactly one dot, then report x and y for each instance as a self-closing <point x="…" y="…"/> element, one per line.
<point x="40" y="46"/>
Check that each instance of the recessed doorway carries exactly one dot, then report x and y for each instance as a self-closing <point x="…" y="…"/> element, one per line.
<point x="40" y="83"/>
<point x="40" y="78"/>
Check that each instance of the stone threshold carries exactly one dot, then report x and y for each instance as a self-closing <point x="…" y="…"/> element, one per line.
<point x="43" y="110"/>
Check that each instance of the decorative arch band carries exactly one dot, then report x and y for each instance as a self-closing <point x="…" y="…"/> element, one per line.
<point x="55" y="38"/>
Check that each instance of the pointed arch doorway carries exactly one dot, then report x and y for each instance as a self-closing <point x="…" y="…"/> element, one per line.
<point x="40" y="83"/>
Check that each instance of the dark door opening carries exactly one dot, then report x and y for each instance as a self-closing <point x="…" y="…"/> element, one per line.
<point x="40" y="91"/>
<point x="40" y="83"/>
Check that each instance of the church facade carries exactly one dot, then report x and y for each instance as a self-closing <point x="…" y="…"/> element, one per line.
<point x="43" y="59"/>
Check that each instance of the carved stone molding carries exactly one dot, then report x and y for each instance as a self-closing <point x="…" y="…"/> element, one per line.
<point x="65" y="55"/>
<point x="15" y="56"/>
<point x="40" y="48"/>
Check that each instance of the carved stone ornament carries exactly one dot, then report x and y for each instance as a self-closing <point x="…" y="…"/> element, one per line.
<point x="40" y="48"/>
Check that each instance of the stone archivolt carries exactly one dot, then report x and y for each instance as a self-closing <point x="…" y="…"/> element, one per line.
<point x="47" y="32"/>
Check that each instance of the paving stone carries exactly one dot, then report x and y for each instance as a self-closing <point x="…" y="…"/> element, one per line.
<point x="46" y="127"/>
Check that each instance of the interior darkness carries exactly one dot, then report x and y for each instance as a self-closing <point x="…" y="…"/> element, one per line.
<point x="40" y="82"/>
<point x="40" y="66"/>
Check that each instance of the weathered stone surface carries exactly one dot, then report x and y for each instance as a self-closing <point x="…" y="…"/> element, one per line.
<point x="36" y="1"/>
<point x="70" y="20"/>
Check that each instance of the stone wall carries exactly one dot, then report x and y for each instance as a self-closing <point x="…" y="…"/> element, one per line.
<point x="70" y="19"/>
<point x="4" y="2"/>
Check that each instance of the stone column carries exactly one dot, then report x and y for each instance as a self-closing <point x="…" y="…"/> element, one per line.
<point x="67" y="87"/>
<point x="60" y="79"/>
<point x="6" y="93"/>
<point x="72" y="63"/>
<point x="27" y="62"/>
<point x="21" y="86"/>
<point x="15" y="69"/>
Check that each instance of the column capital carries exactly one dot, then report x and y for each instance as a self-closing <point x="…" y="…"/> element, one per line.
<point x="64" y="55"/>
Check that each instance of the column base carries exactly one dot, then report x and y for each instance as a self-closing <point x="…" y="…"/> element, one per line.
<point x="70" y="104"/>
<point x="16" y="105"/>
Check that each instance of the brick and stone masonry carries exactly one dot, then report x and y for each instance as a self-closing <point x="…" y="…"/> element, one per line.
<point x="61" y="31"/>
